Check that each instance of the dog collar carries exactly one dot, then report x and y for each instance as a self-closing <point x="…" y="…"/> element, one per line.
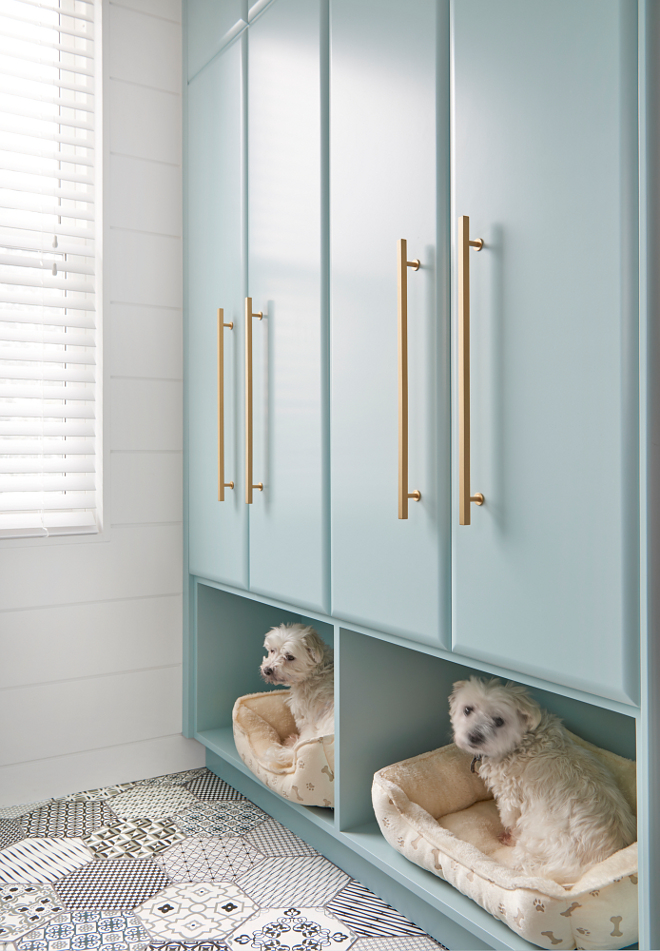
<point x="477" y="759"/>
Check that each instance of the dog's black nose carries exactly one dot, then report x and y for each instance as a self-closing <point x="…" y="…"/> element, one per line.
<point x="476" y="738"/>
<point x="268" y="671"/>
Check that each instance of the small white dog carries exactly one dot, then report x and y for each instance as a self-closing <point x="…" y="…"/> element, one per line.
<point x="299" y="659"/>
<point x="560" y="806"/>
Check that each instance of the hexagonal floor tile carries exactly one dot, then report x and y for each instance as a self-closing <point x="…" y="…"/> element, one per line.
<point x="292" y="928"/>
<point x="195" y="912"/>
<point x="42" y="860"/>
<point x="209" y="860"/>
<point x="136" y="837"/>
<point x="64" y="817"/>
<point x="112" y="883"/>
<point x="221" y="819"/>
<point x="153" y="802"/>
<point x="305" y="880"/>
<point x="274" y="839"/>
<point x="79" y="930"/>
<point x="210" y="788"/>
<point x="22" y="907"/>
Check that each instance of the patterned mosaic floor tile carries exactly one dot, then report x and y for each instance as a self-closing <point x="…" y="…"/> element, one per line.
<point x="309" y="880"/>
<point x="79" y="930"/>
<point x="103" y="792"/>
<point x="196" y="912"/>
<point x="185" y="946"/>
<point x="290" y="929"/>
<point x="274" y="839"/>
<point x="367" y="915"/>
<point x="209" y="788"/>
<point x="228" y="819"/>
<point x="177" y="779"/>
<point x="137" y="837"/>
<point x="400" y="943"/>
<point x="153" y="802"/>
<point x="209" y="860"/>
<point x="112" y="883"/>
<point x="11" y="831"/>
<point x="42" y="860"/>
<point x="66" y="818"/>
<point x="22" y="907"/>
<point x="13" y="812"/>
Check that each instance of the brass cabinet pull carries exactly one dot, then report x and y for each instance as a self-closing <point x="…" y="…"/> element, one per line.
<point x="464" y="244"/>
<point x="403" y="265"/>
<point x="249" y="486"/>
<point x="222" y="485"/>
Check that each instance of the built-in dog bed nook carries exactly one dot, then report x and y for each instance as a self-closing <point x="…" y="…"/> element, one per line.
<point x="262" y="720"/>
<point x="438" y="813"/>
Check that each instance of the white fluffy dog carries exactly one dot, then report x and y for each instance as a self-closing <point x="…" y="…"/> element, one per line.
<point x="299" y="659"/>
<point x="560" y="806"/>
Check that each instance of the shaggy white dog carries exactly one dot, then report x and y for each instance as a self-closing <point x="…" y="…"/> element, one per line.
<point x="299" y="659"/>
<point x="559" y="804"/>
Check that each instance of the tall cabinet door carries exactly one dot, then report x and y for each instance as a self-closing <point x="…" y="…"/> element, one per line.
<point x="389" y="166"/>
<point x="545" y="166"/>
<point x="288" y="518"/>
<point x="215" y="279"/>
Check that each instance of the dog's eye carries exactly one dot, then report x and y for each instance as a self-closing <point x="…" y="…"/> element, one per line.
<point x="467" y="711"/>
<point x="289" y="657"/>
<point x="498" y="721"/>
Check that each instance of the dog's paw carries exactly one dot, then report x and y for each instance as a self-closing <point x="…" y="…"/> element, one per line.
<point x="506" y="837"/>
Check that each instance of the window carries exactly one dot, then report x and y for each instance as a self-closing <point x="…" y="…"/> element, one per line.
<point x="48" y="368"/>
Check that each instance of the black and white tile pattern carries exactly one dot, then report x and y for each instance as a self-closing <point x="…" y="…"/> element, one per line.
<point x="181" y="862"/>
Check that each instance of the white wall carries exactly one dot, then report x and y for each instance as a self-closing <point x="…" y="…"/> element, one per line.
<point x="90" y="628"/>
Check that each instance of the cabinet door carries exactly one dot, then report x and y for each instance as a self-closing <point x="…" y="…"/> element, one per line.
<point x="288" y="532"/>
<point x="215" y="265"/>
<point x="389" y="164"/>
<point x="545" y="167"/>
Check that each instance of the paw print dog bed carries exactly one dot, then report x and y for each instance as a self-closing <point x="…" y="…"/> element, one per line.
<point x="440" y="815"/>
<point x="262" y="720"/>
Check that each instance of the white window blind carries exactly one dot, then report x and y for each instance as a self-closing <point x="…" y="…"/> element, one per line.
<point x="48" y="470"/>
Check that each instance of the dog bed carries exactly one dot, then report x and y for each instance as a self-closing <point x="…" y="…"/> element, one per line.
<point x="263" y="719"/>
<point x="440" y="815"/>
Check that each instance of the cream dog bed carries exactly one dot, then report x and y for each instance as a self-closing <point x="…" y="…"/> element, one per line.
<point x="263" y="719"/>
<point x="440" y="815"/>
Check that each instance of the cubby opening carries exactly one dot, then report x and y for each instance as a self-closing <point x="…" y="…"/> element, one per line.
<point x="229" y="649"/>
<point x="398" y="697"/>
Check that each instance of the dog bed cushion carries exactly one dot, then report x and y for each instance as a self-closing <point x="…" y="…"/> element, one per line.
<point x="262" y="720"/>
<point x="440" y="815"/>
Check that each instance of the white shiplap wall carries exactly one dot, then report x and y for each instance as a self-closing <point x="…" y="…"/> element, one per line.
<point x="90" y="628"/>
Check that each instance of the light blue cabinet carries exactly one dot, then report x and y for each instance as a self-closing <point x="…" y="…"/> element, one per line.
<point x="286" y="267"/>
<point x="318" y="134"/>
<point x="545" y="579"/>
<point x="389" y="167"/>
<point x="255" y="208"/>
<point x="217" y="531"/>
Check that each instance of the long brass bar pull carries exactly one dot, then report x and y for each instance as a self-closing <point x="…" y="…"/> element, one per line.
<point x="403" y="265"/>
<point x="464" y="496"/>
<point x="222" y="485"/>
<point x="249" y="485"/>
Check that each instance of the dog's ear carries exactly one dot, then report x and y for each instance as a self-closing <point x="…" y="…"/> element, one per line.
<point x="528" y="710"/>
<point x="315" y="646"/>
<point x="453" y="697"/>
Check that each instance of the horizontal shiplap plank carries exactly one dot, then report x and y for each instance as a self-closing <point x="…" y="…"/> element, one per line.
<point x="87" y="640"/>
<point x="146" y="487"/>
<point x="145" y="342"/>
<point x="60" y="775"/>
<point x="146" y="414"/>
<point x="72" y="716"/>
<point x="144" y="268"/>
<point x="167" y="9"/>
<point x="136" y="562"/>
<point x="147" y="195"/>
<point x="144" y="49"/>
<point x="144" y="122"/>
